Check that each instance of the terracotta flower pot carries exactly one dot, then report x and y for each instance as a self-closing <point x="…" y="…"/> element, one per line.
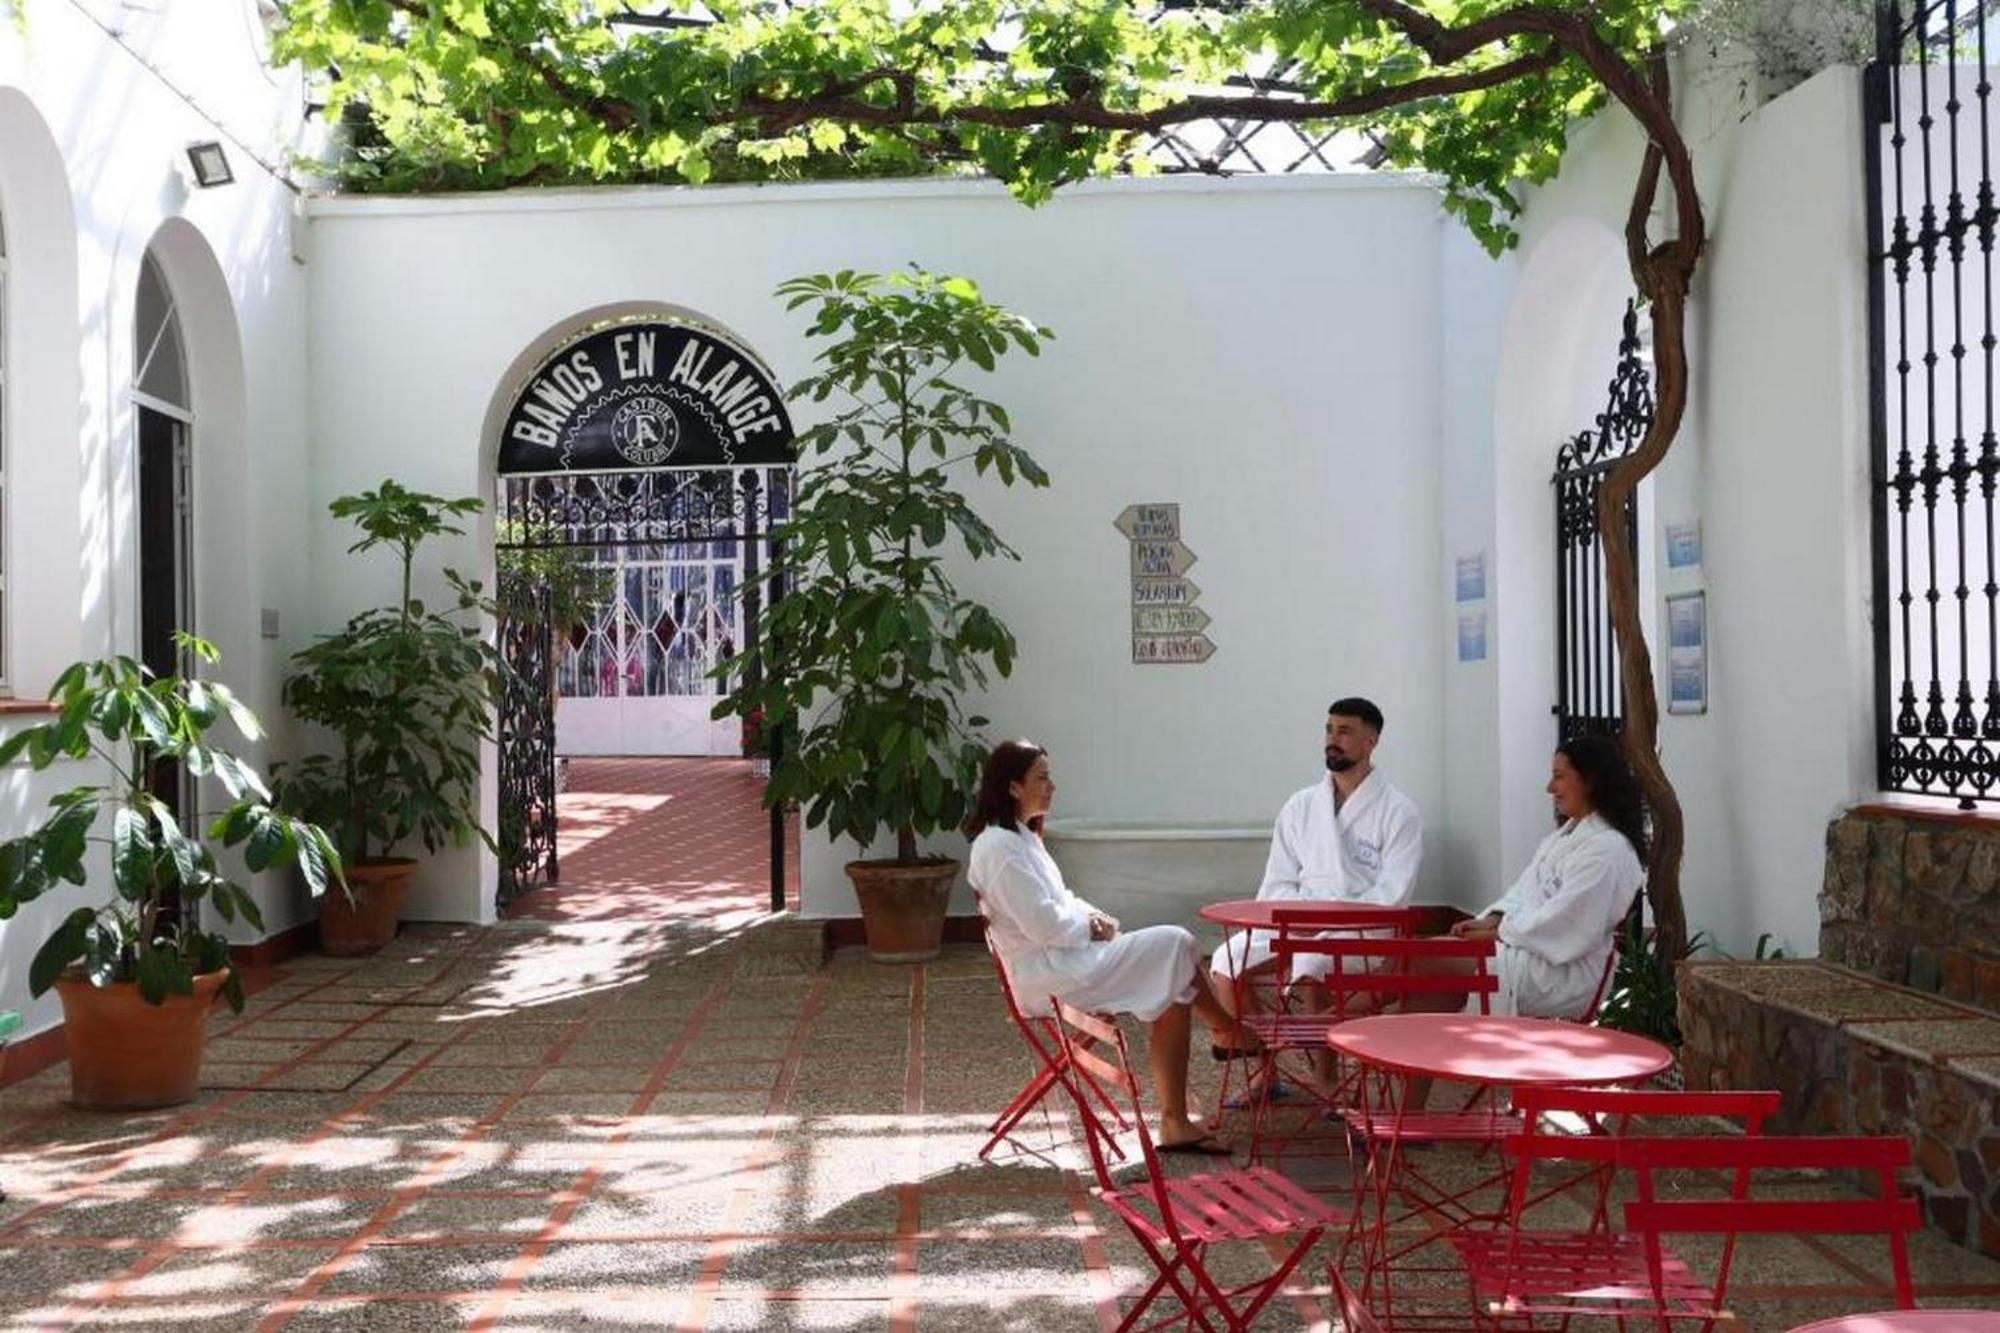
<point x="350" y="929"/>
<point x="902" y="907"/>
<point x="128" y="1055"/>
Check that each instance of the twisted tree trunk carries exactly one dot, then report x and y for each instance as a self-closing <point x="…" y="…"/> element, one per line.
<point x="1662" y="275"/>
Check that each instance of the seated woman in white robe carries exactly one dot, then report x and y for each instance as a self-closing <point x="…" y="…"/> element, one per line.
<point x="1055" y="945"/>
<point x="1556" y="927"/>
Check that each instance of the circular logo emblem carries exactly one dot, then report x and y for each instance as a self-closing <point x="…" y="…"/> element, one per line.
<point x="646" y="431"/>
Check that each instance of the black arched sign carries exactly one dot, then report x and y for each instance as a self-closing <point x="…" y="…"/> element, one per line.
<point x="647" y="394"/>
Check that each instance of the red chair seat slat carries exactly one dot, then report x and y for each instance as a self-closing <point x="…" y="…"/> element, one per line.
<point x="1438" y="1126"/>
<point x="1819" y="1217"/>
<point x="1291" y="1032"/>
<point x="1578" y="1264"/>
<point x="1209" y="1210"/>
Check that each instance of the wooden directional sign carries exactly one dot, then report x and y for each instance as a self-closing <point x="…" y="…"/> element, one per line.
<point x="1172" y="648"/>
<point x="1155" y="560"/>
<point x="1150" y="523"/>
<point x="1166" y="624"/>
<point x="1164" y="592"/>
<point x="1169" y="620"/>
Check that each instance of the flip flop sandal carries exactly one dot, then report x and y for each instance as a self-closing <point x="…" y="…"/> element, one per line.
<point x="1205" y="1146"/>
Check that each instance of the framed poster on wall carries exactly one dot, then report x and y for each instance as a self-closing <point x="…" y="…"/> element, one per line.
<point x="1687" y="652"/>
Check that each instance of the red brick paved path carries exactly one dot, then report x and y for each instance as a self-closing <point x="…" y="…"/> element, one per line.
<point x="658" y="839"/>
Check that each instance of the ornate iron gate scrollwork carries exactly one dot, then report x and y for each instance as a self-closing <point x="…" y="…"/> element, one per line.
<point x="527" y="739"/>
<point x="1590" y="695"/>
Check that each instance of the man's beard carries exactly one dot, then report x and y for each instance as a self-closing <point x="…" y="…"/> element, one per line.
<point x="1340" y="763"/>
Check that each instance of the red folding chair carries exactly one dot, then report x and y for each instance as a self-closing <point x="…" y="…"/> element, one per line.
<point x="1052" y="1063"/>
<point x="1175" y="1219"/>
<point x="1293" y="1033"/>
<point x="1589" y="1016"/>
<point x="1382" y="972"/>
<point x="1524" y="1272"/>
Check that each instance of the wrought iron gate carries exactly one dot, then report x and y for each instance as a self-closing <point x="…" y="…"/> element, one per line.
<point x="1934" y="460"/>
<point x="651" y="432"/>
<point x="1590" y="694"/>
<point x="597" y="513"/>
<point x="527" y="738"/>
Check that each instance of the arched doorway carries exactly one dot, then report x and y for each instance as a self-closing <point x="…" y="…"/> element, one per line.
<point x="165" y="419"/>
<point x="648" y="459"/>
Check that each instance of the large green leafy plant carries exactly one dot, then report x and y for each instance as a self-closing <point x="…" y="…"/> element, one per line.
<point x="119" y="714"/>
<point x="878" y="642"/>
<point x="405" y="689"/>
<point x="575" y="582"/>
<point x="1644" y="996"/>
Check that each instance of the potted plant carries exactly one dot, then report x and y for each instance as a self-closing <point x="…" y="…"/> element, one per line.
<point x="876" y="642"/>
<point x="405" y="691"/>
<point x="137" y="975"/>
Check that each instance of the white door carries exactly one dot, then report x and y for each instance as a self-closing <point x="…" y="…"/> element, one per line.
<point x="638" y="681"/>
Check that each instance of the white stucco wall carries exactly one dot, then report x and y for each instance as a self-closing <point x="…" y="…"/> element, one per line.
<point x="1261" y="351"/>
<point x="1772" y="460"/>
<point x="97" y="103"/>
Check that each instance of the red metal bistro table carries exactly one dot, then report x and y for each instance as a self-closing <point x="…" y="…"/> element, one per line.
<point x="1261" y="913"/>
<point x="1481" y="1051"/>
<point x="1909" y="1321"/>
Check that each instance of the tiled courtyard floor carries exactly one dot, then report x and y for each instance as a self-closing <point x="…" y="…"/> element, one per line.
<point x="615" y="1112"/>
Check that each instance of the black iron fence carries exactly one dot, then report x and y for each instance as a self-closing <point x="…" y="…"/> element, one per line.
<point x="1935" y="460"/>
<point x="1590" y="695"/>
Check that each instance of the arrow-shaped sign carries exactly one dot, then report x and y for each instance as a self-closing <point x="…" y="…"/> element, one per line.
<point x="1172" y="648"/>
<point x="1164" y="592"/>
<point x="1156" y="522"/>
<point x="1169" y="620"/>
<point x="1160" y="560"/>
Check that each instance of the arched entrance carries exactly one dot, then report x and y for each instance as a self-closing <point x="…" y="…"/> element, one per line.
<point x="165" y="416"/>
<point x="645" y="460"/>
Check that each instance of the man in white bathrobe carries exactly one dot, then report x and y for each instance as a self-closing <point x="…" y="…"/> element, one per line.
<point x="1351" y="836"/>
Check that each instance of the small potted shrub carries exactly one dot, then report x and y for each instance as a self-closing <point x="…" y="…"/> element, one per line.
<point x="405" y="691"/>
<point x="137" y="975"/>
<point x="879" y="642"/>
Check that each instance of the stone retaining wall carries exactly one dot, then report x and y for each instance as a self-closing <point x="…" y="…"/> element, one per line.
<point x="1856" y="1056"/>
<point x="1914" y="898"/>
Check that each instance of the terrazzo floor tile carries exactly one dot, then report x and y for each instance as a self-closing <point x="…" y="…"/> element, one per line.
<point x="737" y="1316"/>
<point x="383" y="1316"/>
<point x="609" y="1214"/>
<point x="268" y="1217"/>
<point x="670" y="1266"/>
<point x="42" y="1273"/>
<point x="424" y="1268"/>
<point x="442" y="1216"/>
<point x="175" y="1316"/>
<point x="111" y="1217"/>
<point x="201" y="1273"/>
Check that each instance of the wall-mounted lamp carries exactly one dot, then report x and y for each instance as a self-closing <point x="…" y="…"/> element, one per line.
<point x="209" y="164"/>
